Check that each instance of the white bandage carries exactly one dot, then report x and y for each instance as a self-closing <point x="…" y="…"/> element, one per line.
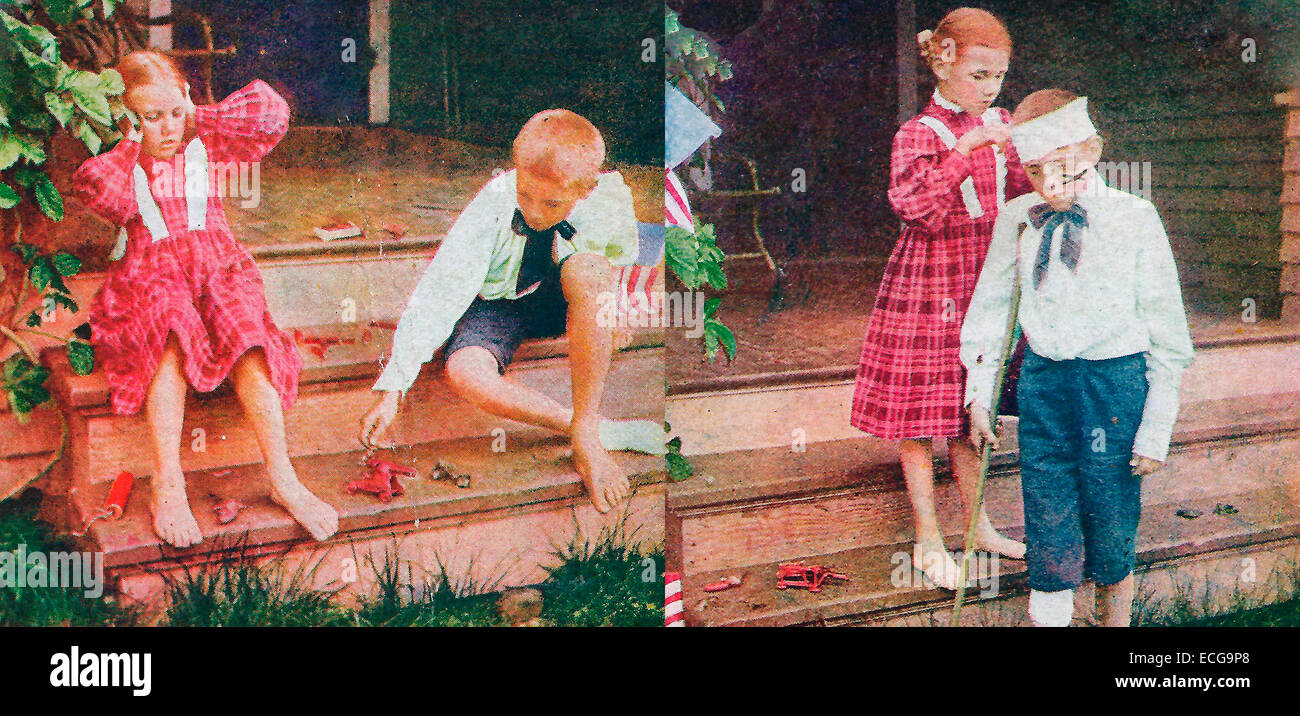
<point x="1059" y="128"/>
<point x="1051" y="609"/>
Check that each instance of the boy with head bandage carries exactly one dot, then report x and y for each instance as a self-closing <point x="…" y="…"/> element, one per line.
<point x="1102" y="312"/>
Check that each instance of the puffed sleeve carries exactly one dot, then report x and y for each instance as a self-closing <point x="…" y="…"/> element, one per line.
<point x="244" y="126"/>
<point x="1017" y="181"/>
<point x="924" y="176"/>
<point x="104" y="183"/>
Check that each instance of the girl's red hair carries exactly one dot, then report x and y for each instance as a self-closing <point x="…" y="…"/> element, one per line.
<point x="145" y="67"/>
<point x="964" y="27"/>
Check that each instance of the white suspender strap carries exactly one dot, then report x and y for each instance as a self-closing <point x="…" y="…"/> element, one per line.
<point x="196" y="193"/>
<point x="147" y="207"/>
<point x="196" y="185"/>
<point x="968" y="195"/>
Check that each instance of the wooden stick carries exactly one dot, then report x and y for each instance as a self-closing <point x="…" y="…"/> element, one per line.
<point x="986" y="451"/>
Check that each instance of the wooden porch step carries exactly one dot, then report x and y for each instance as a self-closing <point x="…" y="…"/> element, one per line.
<point x="739" y="413"/>
<point x="334" y="393"/>
<point x="1199" y="559"/>
<point x="521" y="505"/>
<point x="773" y="504"/>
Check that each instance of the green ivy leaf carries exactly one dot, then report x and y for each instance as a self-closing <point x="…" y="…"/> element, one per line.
<point x="41" y="273"/>
<point x="87" y="135"/>
<point x="110" y="81"/>
<point x="724" y="335"/>
<point x="713" y="274"/>
<point x="681" y="256"/>
<point x="47" y="196"/>
<point x="679" y="468"/>
<point x="710" y="343"/>
<point x="711" y="306"/>
<point x="60" y="108"/>
<point x="65" y="300"/>
<point x="10" y="150"/>
<point x="66" y="264"/>
<point x="33" y="320"/>
<point x="62" y="11"/>
<point x="109" y="6"/>
<point x="81" y="356"/>
<point x="8" y="197"/>
<point x="21" y="406"/>
<point x="27" y="177"/>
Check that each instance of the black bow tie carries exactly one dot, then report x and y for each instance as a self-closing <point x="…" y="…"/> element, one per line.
<point x="1045" y="218"/>
<point x="536" y="261"/>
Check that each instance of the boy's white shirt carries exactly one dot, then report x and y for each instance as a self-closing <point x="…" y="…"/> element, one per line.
<point x="480" y="255"/>
<point x="1124" y="299"/>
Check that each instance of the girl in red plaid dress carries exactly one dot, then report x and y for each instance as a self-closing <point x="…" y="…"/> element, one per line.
<point x="952" y="168"/>
<point x="184" y="304"/>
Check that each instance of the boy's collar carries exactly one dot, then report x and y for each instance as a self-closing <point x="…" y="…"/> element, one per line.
<point x="946" y="103"/>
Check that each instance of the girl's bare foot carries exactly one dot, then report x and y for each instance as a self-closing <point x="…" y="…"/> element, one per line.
<point x="173" y="521"/>
<point x="938" y="566"/>
<point x="606" y="482"/>
<point x="990" y="540"/>
<point x="314" y="514"/>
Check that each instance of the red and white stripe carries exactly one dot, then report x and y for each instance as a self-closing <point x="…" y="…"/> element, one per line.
<point x="674" y="614"/>
<point x="677" y="210"/>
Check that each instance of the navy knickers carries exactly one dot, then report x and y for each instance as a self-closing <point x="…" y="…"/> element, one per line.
<point x="1078" y="419"/>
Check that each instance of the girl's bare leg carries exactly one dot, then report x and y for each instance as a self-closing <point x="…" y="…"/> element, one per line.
<point x="262" y="405"/>
<point x="966" y="468"/>
<point x="930" y="555"/>
<point x="165" y="411"/>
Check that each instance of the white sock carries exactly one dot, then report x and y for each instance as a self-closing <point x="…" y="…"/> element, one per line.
<point x="1051" y="609"/>
<point x="645" y="436"/>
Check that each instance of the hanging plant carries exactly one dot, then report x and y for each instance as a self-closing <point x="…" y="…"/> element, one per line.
<point x="41" y="95"/>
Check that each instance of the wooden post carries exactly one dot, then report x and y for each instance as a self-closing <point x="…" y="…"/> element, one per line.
<point x="905" y="41"/>
<point x="160" y="36"/>
<point x="1289" y="252"/>
<point x="379" y="74"/>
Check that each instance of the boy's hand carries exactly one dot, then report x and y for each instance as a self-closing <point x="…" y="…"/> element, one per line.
<point x="983" y="136"/>
<point x="981" y="428"/>
<point x="1143" y="466"/>
<point x="376" y="421"/>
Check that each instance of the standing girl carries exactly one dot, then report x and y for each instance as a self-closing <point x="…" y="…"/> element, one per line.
<point x="951" y="170"/>
<point x="184" y="306"/>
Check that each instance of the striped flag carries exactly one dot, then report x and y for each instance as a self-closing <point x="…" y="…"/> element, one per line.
<point x="674" y="612"/>
<point x="677" y="210"/>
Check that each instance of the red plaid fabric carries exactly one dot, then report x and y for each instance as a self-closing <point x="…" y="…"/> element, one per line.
<point x="201" y="285"/>
<point x="910" y="381"/>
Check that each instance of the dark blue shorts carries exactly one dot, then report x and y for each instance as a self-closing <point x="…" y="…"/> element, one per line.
<point x="501" y="325"/>
<point x="1078" y="419"/>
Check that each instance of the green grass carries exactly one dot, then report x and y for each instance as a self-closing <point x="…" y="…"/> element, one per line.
<point x="608" y="582"/>
<point x="1275" y="602"/>
<point x="31" y="606"/>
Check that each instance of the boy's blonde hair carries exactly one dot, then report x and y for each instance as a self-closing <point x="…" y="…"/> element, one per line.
<point x="1042" y="102"/>
<point x="561" y="145"/>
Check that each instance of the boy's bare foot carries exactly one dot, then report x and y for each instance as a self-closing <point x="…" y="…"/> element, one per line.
<point x="607" y="484"/>
<point x="314" y="514"/>
<point x="990" y="540"/>
<point x="938" y="566"/>
<point x="173" y="521"/>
